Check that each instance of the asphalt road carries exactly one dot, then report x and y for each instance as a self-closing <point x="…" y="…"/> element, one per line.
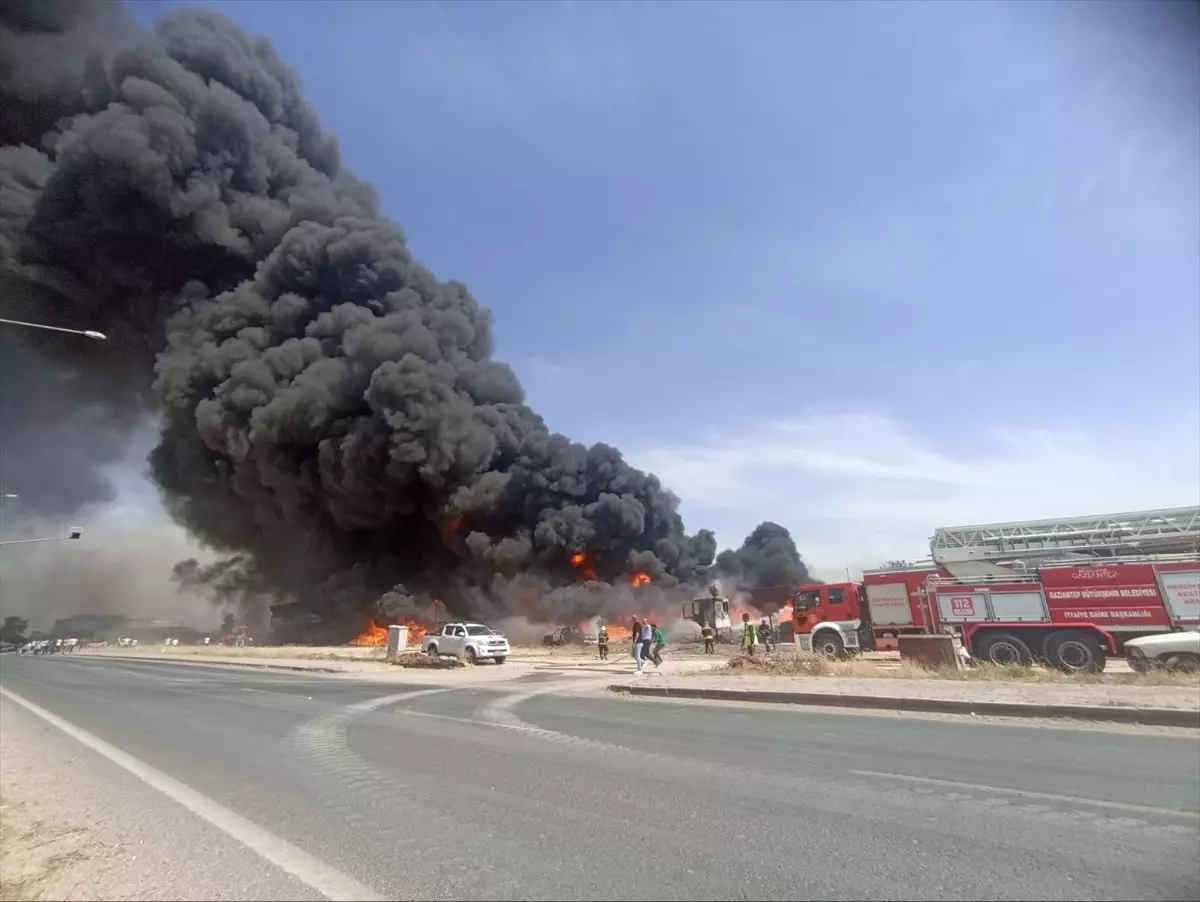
<point x="342" y="788"/>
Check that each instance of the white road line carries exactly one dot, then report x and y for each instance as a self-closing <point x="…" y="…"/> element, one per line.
<point x="1030" y="794"/>
<point x="323" y="878"/>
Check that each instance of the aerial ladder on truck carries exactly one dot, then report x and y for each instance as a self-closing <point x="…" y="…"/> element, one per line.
<point x="1002" y="550"/>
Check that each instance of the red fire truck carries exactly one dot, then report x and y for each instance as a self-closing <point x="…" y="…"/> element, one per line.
<point x="1067" y="592"/>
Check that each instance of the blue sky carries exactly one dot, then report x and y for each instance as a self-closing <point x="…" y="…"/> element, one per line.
<point x="864" y="269"/>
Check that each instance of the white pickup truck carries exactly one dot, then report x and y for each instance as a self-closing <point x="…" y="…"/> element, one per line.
<point x="473" y="641"/>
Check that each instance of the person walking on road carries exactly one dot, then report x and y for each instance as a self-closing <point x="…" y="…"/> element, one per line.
<point x="602" y="642"/>
<point x="647" y="641"/>
<point x="660" y="642"/>
<point x="637" y="645"/>
<point x="708" y="634"/>
<point x="749" y="635"/>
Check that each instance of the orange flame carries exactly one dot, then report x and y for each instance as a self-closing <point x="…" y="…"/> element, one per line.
<point x="582" y="562"/>
<point x="376" y="634"/>
<point x="416" y="630"/>
<point x="640" y="578"/>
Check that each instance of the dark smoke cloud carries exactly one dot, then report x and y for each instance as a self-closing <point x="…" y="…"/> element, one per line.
<point x="767" y="558"/>
<point x="332" y="419"/>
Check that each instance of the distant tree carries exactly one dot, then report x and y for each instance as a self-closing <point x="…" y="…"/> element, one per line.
<point x="227" y="624"/>
<point x="13" y="629"/>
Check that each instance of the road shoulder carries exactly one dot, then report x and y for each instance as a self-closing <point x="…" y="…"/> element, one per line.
<point x="77" y="827"/>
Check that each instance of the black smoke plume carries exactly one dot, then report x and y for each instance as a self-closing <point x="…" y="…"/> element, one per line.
<point x="767" y="558"/>
<point x="332" y="419"/>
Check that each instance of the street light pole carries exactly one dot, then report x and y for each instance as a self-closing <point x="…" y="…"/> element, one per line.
<point x="88" y="333"/>
<point x="76" y="533"/>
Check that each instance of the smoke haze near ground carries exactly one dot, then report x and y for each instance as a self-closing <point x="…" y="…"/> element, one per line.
<point x="334" y="430"/>
<point x="116" y="568"/>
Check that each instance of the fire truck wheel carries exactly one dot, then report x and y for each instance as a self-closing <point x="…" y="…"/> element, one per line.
<point x="1073" y="651"/>
<point x="829" y="644"/>
<point x="1004" y="649"/>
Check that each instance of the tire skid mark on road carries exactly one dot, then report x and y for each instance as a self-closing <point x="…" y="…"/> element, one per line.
<point x="502" y="713"/>
<point x="994" y="792"/>
<point x="323" y="741"/>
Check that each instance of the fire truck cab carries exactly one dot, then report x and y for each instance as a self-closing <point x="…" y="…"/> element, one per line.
<point x="832" y="619"/>
<point x="1067" y="592"/>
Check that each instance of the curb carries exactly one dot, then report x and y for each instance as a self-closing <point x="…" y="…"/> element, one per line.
<point x="1157" y="717"/>
<point x="295" y="668"/>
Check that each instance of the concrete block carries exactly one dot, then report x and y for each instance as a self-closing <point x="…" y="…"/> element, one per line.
<point x="932" y="652"/>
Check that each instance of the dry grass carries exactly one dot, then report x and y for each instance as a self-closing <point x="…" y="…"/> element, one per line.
<point x="816" y="666"/>
<point x="794" y="665"/>
<point x="1013" y="673"/>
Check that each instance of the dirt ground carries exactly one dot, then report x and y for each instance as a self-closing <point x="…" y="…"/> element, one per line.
<point x="46" y="851"/>
<point x="37" y="857"/>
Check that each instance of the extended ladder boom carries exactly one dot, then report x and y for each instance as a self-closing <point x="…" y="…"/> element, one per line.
<point x="974" y="551"/>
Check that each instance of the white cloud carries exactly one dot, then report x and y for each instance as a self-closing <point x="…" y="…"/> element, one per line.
<point x="857" y="489"/>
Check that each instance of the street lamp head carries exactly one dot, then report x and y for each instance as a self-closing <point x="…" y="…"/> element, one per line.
<point x="10" y="495"/>
<point x="99" y="336"/>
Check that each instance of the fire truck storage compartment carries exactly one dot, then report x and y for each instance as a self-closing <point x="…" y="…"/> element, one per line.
<point x="889" y="605"/>
<point x="1019" y="607"/>
<point x="1180" y="593"/>
<point x="1005" y="606"/>
<point x="961" y="605"/>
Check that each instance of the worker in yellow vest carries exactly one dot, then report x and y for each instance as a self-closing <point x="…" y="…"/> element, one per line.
<point x="749" y="635"/>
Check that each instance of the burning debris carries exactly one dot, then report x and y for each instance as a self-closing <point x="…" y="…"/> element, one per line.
<point x="374" y="635"/>
<point x="331" y="417"/>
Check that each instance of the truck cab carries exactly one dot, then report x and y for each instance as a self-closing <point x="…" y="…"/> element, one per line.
<point x="473" y="641"/>
<point x="831" y="619"/>
<point x="712" y="609"/>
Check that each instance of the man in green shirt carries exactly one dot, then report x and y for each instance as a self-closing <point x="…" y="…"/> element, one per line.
<point x="749" y="635"/>
<point x="660" y="642"/>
